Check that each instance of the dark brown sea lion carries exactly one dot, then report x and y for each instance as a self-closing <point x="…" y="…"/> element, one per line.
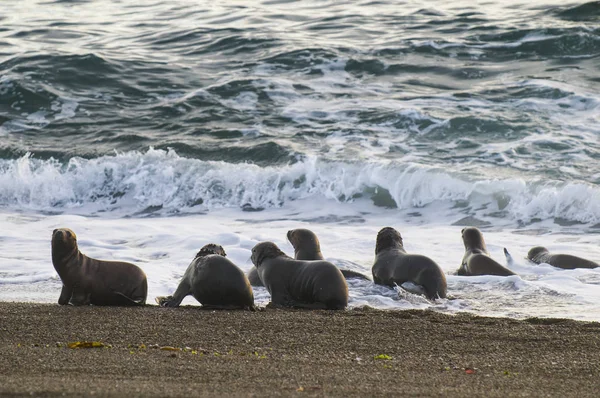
<point x="306" y="244"/>
<point x="540" y="254"/>
<point x="477" y="260"/>
<point x="296" y="283"/>
<point x="306" y="247"/>
<point x="89" y="281"/>
<point x="214" y="281"/>
<point x="393" y="266"/>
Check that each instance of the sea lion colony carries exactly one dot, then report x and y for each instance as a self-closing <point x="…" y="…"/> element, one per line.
<point x="305" y="281"/>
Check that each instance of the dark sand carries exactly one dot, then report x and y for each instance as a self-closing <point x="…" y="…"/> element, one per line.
<point x="278" y="352"/>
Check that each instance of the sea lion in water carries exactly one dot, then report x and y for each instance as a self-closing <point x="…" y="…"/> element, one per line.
<point x="477" y="260"/>
<point x="90" y="281"/>
<point x="540" y="254"/>
<point x="214" y="281"/>
<point x="393" y="266"/>
<point x="306" y="247"/>
<point x="296" y="283"/>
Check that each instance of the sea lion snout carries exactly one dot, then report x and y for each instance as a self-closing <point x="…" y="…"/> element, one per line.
<point x="62" y="234"/>
<point x="289" y="235"/>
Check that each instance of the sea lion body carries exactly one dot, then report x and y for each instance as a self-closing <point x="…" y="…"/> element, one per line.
<point x="214" y="281"/>
<point x="477" y="260"/>
<point x="540" y="255"/>
<point x="393" y="266"/>
<point x="306" y="244"/>
<point x="253" y="277"/>
<point x="306" y="247"/>
<point x="296" y="283"/>
<point x="90" y="281"/>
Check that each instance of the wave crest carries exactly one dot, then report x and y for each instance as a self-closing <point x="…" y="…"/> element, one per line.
<point x="163" y="180"/>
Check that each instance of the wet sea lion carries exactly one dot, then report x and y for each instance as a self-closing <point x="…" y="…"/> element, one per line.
<point x="306" y="244"/>
<point x="296" y="283"/>
<point x="477" y="260"/>
<point x="540" y="254"/>
<point x="214" y="281"/>
<point x="90" y="281"/>
<point x="306" y="247"/>
<point x="393" y="266"/>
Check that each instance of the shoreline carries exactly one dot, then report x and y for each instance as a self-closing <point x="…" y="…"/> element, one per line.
<point x="273" y="352"/>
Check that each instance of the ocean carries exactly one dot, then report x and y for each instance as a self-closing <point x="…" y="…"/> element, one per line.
<point x="153" y="128"/>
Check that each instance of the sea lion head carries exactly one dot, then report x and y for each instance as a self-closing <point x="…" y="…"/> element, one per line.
<point x="536" y="251"/>
<point x="388" y="238"/>
<point x="299" y="238"/>
<point x="473" y="239"/>
<point x="211" y="248"/>
<point x="263" y="251"/>
<point x="64" y="243"/>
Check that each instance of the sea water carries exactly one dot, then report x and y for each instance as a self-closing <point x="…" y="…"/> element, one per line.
<point x="152" y="129"/>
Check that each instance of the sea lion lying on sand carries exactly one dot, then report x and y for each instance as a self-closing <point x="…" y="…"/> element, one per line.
<point x="296" y="283"/>
<point x="393" y="266"/>
<point x="90" y="281"/>
<point x="306" y="247"/>
<point x="214" y="281"/>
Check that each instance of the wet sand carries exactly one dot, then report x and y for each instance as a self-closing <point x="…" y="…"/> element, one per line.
<point x="360" y="352"/>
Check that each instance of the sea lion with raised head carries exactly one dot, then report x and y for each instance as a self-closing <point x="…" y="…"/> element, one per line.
<point x="90" y="281"/>
<point x="296" y="283"/>
<point x="306" y="247"/>
<point x="214" y="281"/>
<point x="477" y="260"/>
<point x="393" y="266"/>
<point x="540" y="255"/>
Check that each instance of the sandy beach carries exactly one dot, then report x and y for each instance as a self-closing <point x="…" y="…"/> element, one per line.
<point x="153" y="351"/>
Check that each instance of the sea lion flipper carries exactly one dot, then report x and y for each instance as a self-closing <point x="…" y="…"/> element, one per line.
<point x="308" y="306"/>
<point x="348" y="274"/>
<point x="126" y="300"/>
<point x="80" y="297"/>
<point x="167" y="301"/>
<point x="509" y="258"/>
<point x="65" y="295"/>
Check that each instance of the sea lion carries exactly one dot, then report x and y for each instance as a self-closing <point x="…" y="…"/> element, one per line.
<point x="540" y="254"/>
<point x="90" y="281"/>
<point x="393" y="266"/>
<point x="306" y="244"/>
<point x="296" y="283"/>
<point x="214" y="281"/>
<point x="306" y="247"/>
<point x="477" y="260"/>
